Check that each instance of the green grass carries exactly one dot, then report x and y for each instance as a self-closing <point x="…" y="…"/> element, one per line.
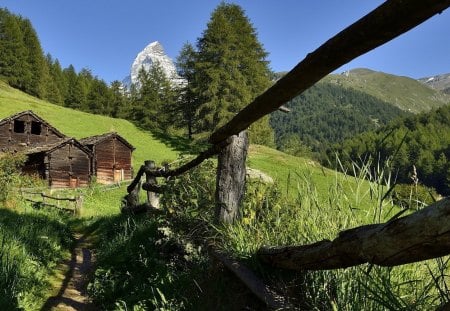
<point x="32" y="243"/>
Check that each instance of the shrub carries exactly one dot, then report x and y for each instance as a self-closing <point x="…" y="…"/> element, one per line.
<point x="10" y="165"/>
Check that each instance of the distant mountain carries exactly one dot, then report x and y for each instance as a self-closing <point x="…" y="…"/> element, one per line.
<point x="406" y="93"/>
<point x="439" y="82"/>
<point x="150" y="55"/>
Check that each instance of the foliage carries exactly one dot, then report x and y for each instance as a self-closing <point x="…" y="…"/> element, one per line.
<point x="327" y="113"/>
<point x="230" y="67"/>
<point x="192" y="193"/>
<point x="421" y="141"/>
<point x="414" y="196"/>
<point x="143" y="265"/>
<point x="152" y="99"/>
<point x="10" y="165"/>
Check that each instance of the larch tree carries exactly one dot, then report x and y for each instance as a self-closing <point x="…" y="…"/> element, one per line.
<point x="230" y="71"/>
<point x="186" y="105"/>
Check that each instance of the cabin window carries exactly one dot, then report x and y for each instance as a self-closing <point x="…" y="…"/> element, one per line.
<point x="35" y="128"/>
<point x="19" y="126"/>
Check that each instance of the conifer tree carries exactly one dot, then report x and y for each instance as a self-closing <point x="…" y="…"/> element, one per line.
<point x="186" y="105"/>
<point x="13" y="64"/>
<point x="34" y="78"/>
<point x="153" y="100"/>
<point x="76" y="91"/>
<point x="52" y="91"/>
<point x="231" y="68"/>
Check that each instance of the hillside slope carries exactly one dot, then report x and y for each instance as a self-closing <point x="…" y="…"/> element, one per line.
<point x="406" y="93"/>
<point x="79" y="124"/>
<point x="280" y="166"/>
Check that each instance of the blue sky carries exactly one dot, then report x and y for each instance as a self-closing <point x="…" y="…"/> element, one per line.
<point x="106" y="35"/>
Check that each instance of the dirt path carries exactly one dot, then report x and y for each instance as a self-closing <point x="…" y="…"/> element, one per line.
<point x="72" y="293"/>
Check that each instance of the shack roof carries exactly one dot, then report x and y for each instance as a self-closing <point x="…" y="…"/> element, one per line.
<point x="34" y="115"/>
<point x="51" y="147"/>
<point x="96" y="139"/>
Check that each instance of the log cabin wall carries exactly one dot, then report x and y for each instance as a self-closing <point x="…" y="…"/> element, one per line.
<point x="25" y="130"/>
<point x="112" y="161"/>
<point x="68" y="166"/>
<point x="112" y="157"/>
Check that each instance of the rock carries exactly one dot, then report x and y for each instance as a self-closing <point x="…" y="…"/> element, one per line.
<point x="257" y="174"/>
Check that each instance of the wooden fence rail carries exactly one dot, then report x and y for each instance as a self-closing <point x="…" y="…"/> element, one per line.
<point x="74" y="204"/>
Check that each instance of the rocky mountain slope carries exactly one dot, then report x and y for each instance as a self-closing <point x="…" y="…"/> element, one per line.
<point x="439" y="82"/>
<point x="153" y="54"/>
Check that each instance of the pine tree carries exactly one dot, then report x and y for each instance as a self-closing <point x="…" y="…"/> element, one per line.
<point x="118" y="100"/>
<point x="34" y="78"/>
<point x="13" y="60"/>
<point x="153" y="102"/>
<point x="75" y="96"/>
<point x="186" y="105"/>
<point x="52" y="90"/>
<point x="231" y="68"/>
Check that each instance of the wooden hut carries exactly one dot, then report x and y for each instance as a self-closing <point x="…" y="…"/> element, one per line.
<point x="112" y="155"/>
<point x="66" y="163"/>
<point x="26" y="130"/>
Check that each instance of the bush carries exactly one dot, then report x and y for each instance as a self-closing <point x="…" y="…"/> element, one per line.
<point x="413" y="196"/>
<point x="10" y="165"/>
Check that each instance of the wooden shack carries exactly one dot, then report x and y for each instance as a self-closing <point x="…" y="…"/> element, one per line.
<point x="25" y="130"/>
<point x="66" y="163"/>
<point x="112" y="157"/>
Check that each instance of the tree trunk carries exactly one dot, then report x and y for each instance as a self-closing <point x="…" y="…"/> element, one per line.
<point x="422" y="235"/>
<point x="230" y="182"/>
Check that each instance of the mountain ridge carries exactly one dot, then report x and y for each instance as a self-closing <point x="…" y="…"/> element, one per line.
<point x="403" y="92"/>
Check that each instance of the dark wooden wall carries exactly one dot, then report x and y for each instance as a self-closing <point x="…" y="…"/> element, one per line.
<point x="68" y="166"/>
<point x="112" y="161"/>
<point x="26" y="131"/>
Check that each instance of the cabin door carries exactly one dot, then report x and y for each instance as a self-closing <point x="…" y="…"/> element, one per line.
<point x="118" y="175"/>
<point x="74" y="182"/>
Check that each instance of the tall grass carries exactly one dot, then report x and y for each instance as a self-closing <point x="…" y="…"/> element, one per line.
<point x="31" y="245"/>
<point x="273" y="219"/>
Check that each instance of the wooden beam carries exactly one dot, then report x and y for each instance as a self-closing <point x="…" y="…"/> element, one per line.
<point x="272" y="300"/>
<point x="422" y="235"/>
<point x="383" y="24"/>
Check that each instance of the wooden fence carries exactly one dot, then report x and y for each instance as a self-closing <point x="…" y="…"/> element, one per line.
<point x="69" y="204"/>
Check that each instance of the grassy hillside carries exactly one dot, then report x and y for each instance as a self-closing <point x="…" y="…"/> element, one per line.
<point x="79" y="124"/>
<point x="406" y="93"/>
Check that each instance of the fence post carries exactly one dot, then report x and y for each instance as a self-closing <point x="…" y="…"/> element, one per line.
<point x="78" y="204"/>
<point x="152" y="197"/>
<point x="230" y="182"/>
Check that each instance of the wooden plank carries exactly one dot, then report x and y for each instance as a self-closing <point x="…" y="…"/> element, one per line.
<point x="422" y="235"/>
<point x="257" y="287"/>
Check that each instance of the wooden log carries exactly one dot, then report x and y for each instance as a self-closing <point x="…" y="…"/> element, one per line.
<point x="389" y="20"/>
<point x="230" y="181"/>
<point x="153" y="188"/>
<point x="78" y="205"/>
<point x="422" y="235"/>
<point x="131" y="200"/>
<point x="152" y="197"/>
<point x="267" y="295"/>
